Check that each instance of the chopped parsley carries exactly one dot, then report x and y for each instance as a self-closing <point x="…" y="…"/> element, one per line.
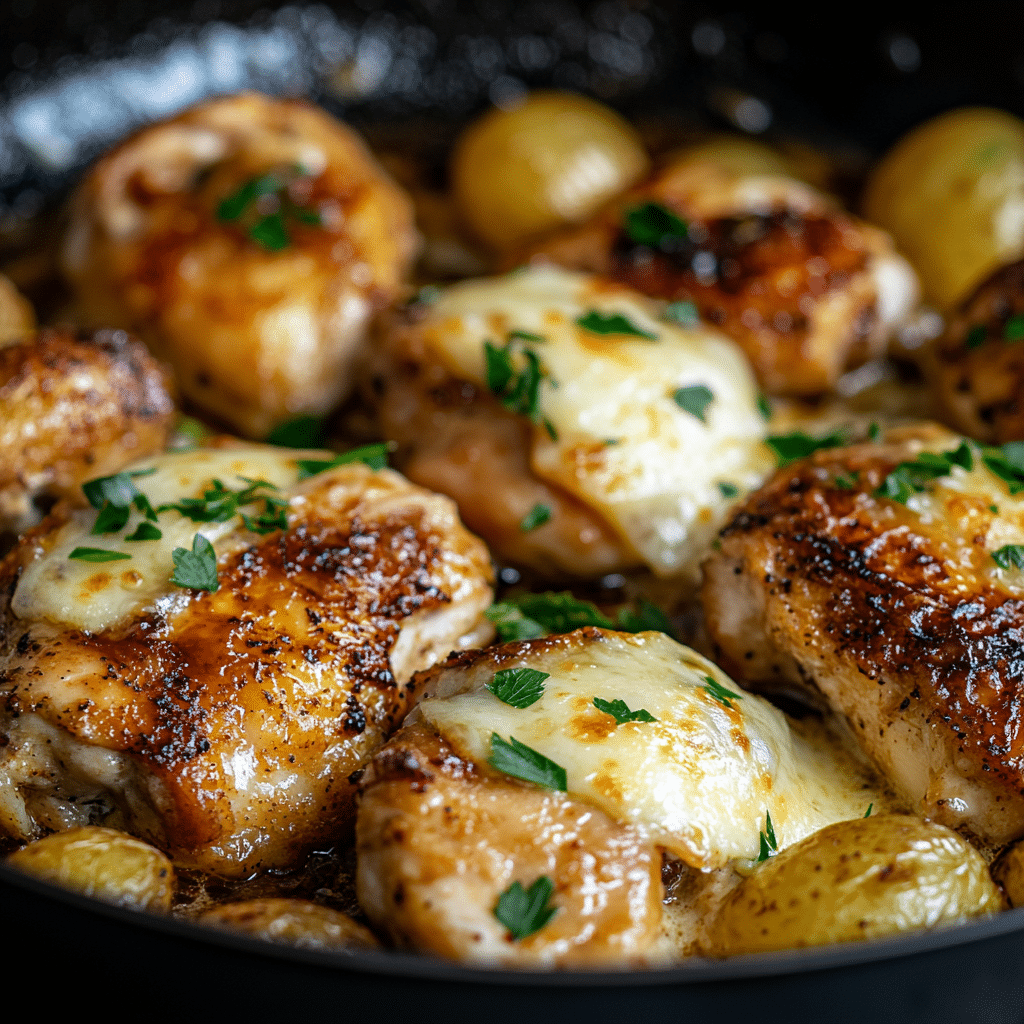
<point x="119" y="491"/>
<point x="654" y="225"/>
<point x="518" y="389"/>
<point x="188" y="435"/>
<point x="373" y="455"/>
<point x="301" y="432"/>
<point x="646" y="619"/>
<point x="98" y="555"/>
<point x="789" y="448"/>
<point x="874" y="431"/>
<point x="722" y="694"/>
<point x="522" y="762"/>
<point x="769" y="845"/>
<point x="621" y="713"/>
<point x="913" y="477"/>
<point x="1007" y="463"/>
<point x="1014" y="328"/>
<point x="520" y="335"/>
<point x="867" y="813"/>
<point x="525" y="911"/>
<point x="111" y="519"/>
<point x="195" y="569"/>
<point x="976" y="336"/>
<point x="694" y="399"/>
<point x="527" y="616"/>
<point x="1009" y="555"/>
<point x="764" y="406"/>
<point x="684" y="314"/>
<point x="537" y="516"/>
<point x="263" y="206"/>
<point x="727" y="490"/>
<point x="145" y="531"/>
<point x="219" y="503"/>
<point x="518" y="687"/>
<point x="612" y="323"/>
<point x="846" y="482"/>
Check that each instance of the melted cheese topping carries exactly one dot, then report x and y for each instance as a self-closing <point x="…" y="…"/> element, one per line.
<point x="96" y="596"/>
<point x="700" y="780"/>
<point x="622" y="443"/>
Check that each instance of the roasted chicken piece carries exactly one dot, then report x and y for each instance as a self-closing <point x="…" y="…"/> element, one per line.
<point x="213" y="689"/>
<point x="247" y="241"/>
<point x="579" y="431"/>
<point x="629" y="745"/>
<point x="976" y="368"/>
<point x="804" y="288"/>
<point x="884" y="577"/>
<point x="72" y="409"/>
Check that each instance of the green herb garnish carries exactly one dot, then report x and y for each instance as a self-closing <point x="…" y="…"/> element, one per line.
<point x="373" y="455"/>
<point x="764" y="406"/>
<point x="537" y="516"/>
<point x="111" y="519"/>
<point x="682" y="313"/>
<point x="1007" y="463"/>
<point x="1014" y="328"/>
<point x="874" y="431"/>
<point x="694" y="399"/>
<point x="525" y="911"/>
<point x="523" y="762"/>
<point x="518" y="687"/>
<point x="195" y="569"/>
<point x="98" y="555"/>
<point x="790" y="448"/>
<point x="119" y="491"/>
<point x="520" y="335"/>
<point x="145" y="531"/>
<point x="913" y="477"/>
<point x="301" y="432"/>
<point x="621" y="713"/>
<point x="518" y="389"/>
<point x="527" y="616"/>
<point x="654" y="225"/>
<point x="722" y="694"/>
<point x="267" y="228"/>
<point x="1009" y="555"/>
<point x="846" y="482"/>
<point x="867" y="813"/>
<point x="612" y="323"/>
<point x="976" y="337"/>
<point x="648" y="618"/>
<point x="769" y="846"/>
<point x="727" y="490"/>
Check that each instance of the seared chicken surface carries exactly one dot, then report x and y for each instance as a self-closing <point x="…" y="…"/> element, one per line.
<point x="248" y="241"/>
<point x="442" y="831"/>
<point x="905" y="612"/>
<point x="977" y="367"/>
<point x="72" y="409"/>
<point x="568" y="392"/>
<point x="805" y="289"/>
<point x="224" y="725"/>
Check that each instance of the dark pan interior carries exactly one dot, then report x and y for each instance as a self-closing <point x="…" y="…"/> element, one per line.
<point x="75" y="77"/>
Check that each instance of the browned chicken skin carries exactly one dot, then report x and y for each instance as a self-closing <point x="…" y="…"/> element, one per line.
<point x="769" y="261"/>
<point x="226" y="729"/>
<point x="72" y="409"/>
<point x="977" y="367"/>
<point x="898" y="615"/>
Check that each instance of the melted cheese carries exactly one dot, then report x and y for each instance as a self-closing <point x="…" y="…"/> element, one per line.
<point x="96" y="596"/>
<point x="700" y="780"/>
<point x="622" y="443"/>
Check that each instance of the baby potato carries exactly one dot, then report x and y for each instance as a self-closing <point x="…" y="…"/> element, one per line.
<point x="551" y="161"/>
<point x="1008" y="871"/>
<point x="291" y="921"/>
<point x="858" y="879"/>
<point x="952" y="194"/>
<point x="103" y="863"/>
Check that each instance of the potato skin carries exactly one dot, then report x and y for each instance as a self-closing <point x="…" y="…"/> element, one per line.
<point x="291" y="921"/>
<point x="858" y="879"/>
<point x="103" y="863"/>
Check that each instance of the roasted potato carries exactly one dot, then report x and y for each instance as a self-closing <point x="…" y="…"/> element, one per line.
<point x="102" y="863"/>
<point x="858" y="879"/>
<point x="17" y="319"/>
<point x="290" y="921"/>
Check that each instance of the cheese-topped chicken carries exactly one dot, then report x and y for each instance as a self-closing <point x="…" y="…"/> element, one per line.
<point x="634" y="736"/>
<point x="71" y="409"/>
<point x="209" y="671"/>
<point x="562" y="394"/>
<point x="804" y="288"/>
<point x="248" y="241"/>
<point x="887" y="577"/>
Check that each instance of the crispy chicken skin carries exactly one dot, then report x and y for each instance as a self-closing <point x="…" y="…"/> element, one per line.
<point x="976" y="368"/>
<point x="440" y="838"/>
<point x="897" y="613"/>
<point x="248" y="241"/>
<point x="224" y="726"/>
<point x="72" y="409"/>
<point x="804" y="288"/>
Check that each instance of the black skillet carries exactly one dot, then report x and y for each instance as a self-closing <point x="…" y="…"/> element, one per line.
<point x="75" y="77"/>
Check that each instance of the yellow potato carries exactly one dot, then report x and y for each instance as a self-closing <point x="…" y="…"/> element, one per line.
<point x="553" y="160"/>
<point x="952" y="194"/>
<point x="858" y="879"/>
<point x="295" y="922"/>
<point x="1008" y="871"/>
<point x="103" y="863"/>
<point x="740" y="155"/>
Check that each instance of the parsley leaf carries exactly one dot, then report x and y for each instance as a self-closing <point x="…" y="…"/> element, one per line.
<point x="976" y="336"/>
<point x="528" y="616"/>
<point x="1014" y="328"/>
<point x="518" y="390"/>
<point x="519" y="335"/>
<point x="846" y="482"/>
<point x="537" y="516"/>
<point x="373" y="455"/>
<point x="727" y="490"/>
<point x="912" y="477"/>
<point x="97" y="555"/>
<point x="267" y="228"/>
<point x="621" y="713"/>
<point x="654" y="225"/>
<point x="769" y="845"/>
<point x="523" y="762"/>
<point x="518" y="687"/>
<point x="1007" y="463"/>
<point x="117" y="490"/>
<point x="301" y="432"/>
<point x="797" y="445"/>
<point x="512" y="624"/>
<point x="695" y="400"/>
<point x="647" y="619"/>
<point x="867" y="813"/>
<point x="111" y="519"/>
<point x="612" y="323"/>
<point x="560" y="613"/>
<point x="721" y="693"/>
<point x="764" y="406"/>
<point x="874" y="431"/>
<point x="271" y="233"/>
<point x="525" y="911"/>
<point x="682" y="313"/>
<point x="1009" y="555"/>
<point x="145" y="531"/>
<point x="195" y="569"/>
